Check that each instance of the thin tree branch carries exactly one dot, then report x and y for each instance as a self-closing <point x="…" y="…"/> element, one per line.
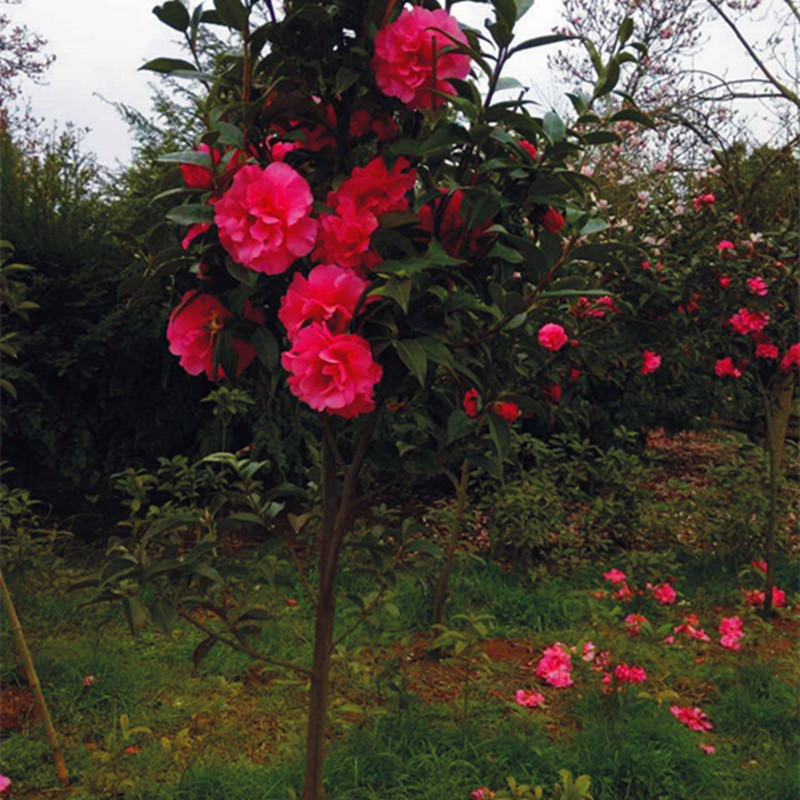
<point x="243" y="648"/>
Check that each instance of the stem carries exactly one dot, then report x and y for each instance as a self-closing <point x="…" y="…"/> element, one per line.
<point x="450" y="553"/>
<point x="21" y="646"/>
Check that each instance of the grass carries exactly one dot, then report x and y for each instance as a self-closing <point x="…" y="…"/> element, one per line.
<point x="155" y="725"/>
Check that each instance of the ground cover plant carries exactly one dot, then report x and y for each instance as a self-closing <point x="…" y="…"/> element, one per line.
<point x="654" y="702"/>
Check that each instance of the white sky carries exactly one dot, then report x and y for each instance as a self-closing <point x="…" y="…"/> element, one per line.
<point x="100" y="44"/>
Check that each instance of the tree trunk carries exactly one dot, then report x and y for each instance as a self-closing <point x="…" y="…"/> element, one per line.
<point x="778" y="415"/>
<point x="336" y="509"/>
<point x="33" y="680"/>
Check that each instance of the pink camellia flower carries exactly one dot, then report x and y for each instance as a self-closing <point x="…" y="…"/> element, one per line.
<point x="626" y="674"/>
<point x="725" y="282"/>
<point x="506" y="410"/>
<point x="196" y="176"/>
<point x="691" y="628"/>
<point x="192" y="332"/>
<point x="766" y="350"/>
<point x="692" y="718"/>
<point x="554" y="666"/>
<point x="755" y="597"/>
<point x="725" y="245"/>
<point x="552" y="336"/>
<point x="759" y="566"/>
<point x="529" y="148"/>
<point x="791" y="358"/>
<point x="725" y="368"/>
<point x="650" y="362"/>
<point x="484" y="793"/>
<point x="745" y="321"/>
<point x="376" y="189"/>
<point x="344" y="238"/>
<point x="665" y="594"/>
<point x="264" y="218"/>
<point x="412" y="58"/>
<point x="329" y="294"/>
<point x="332" y="372"/>
<point x="730" y="629"/>
<point x="708" y="749"/>
<point x="443" y="218"/>
<point x="623" y="592"/>
<point x="4" y="783"/>
<point x="470" y="403"/>
<point x="757" y="286"/>
<point x="552" y="220"/>
<point x="634" y="622"/>
<point x="615" y="576"/>
<point x="588" y="652"/>
<point x="528" y="699"/>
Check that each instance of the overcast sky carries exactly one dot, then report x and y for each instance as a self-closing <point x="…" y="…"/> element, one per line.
<point x="100" y="44"/>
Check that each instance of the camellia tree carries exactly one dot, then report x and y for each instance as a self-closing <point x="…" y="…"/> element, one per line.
<point x="365" y="221"/>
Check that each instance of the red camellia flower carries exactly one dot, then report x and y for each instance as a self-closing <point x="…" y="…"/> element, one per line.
<point x="724" y="282"/>
<point x="725" y="368"/>
<point x="745" y="321"/>
<point x="552" y="221"/>
<point x="766" y="350"/>
<point x="725" y="245"/>
<point x="197" y="176"/>
<point x="506" y="410"/>
<point x="264" y="218"/>
<point x="470" y="403"/>
<point x="193" y="232"/>
<point x="552" y="336"/>
<point x="376" y="189"/>
<point x="791" y="358"/>
<point x="692" y="718"/>
<point x="329" y="294"/>
<point x="344" y="238"/>
<point x="650" y="362"/>
<point x="757" y="286"/>
<point x="193" y="330"/>
<point x="332" y="372"/>
<point x="704" y="201"/>
<point x="412" y="59"/>
<point x="442" y="218"/>
<point x="529" y="148"/>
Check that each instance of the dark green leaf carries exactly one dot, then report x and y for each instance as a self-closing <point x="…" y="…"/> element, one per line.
<point x="609" y="79"/>
<point x="167" y="65"/>
<point x="266" y="346"/>
<point x="232" y="13"/>
<point x="506" y="12"/>
<point x="173" y="14"/>
<point x="498" y="429"/>
<point x="554" y="126"/>
<point x="398" y="289"/>
<point x="412" y="354"/>
<point x="191" y="213"/>
<point x="625" y="30"/>
<point x="539" y="41"/>
<point x="458" y="425"/>
<point x="633" y="115"/>
<point x="600" y="137"/>
<point x="345" y="78"/>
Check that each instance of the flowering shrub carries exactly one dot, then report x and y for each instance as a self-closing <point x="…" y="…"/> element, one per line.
<point x="433" y="254"/>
